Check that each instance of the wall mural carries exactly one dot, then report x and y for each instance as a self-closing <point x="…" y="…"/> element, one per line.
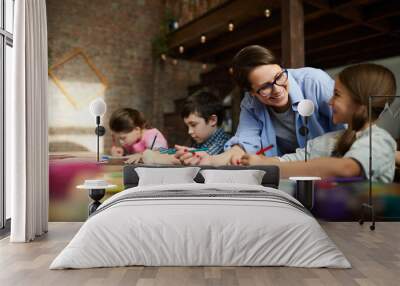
<point x="61" y="74"/>
<point x="74" y="81"/>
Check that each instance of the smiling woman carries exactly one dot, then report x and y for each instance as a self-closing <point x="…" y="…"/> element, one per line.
<point x="269" y="109"/>
<point x="274" y="92"/>
<point x="269" y="114"/>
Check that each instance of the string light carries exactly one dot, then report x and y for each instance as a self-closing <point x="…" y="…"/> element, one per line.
<point x="203" y="39"/>
<point x="231" y="70"/>
<point x="163" y="57"/>
<point x="204" y="66"/>
<point x="175" y="25"/>
<point x="181" y="49"/>
<point x="175" y="61"/>
<point x="267" y="13"/>
<point x="231" y="26"/>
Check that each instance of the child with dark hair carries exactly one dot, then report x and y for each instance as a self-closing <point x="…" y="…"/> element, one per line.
<point x="131" y="129"/>
<point x="203" y="114"/>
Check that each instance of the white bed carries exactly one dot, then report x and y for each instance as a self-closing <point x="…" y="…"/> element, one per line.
<point x="221" y="225"/>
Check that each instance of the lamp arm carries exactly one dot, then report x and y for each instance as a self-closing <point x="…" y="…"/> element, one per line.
<point x="306" y="138"/>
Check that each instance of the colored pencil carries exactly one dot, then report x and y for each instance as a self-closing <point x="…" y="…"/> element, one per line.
<point x="263" y="150"/>
<point x="154" y="141"/>
<point x="173" y="150"/>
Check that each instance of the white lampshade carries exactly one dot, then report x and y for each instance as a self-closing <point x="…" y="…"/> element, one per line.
<point x="98" y="107"/>
<point x="306" y="107"/>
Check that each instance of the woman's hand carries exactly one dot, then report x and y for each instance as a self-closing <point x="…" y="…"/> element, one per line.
<point x="236" y="159"/>
<point x="134" y="159"/>
<point x="251" y="159"/>
<point x="117" y="151"/>
<point x="236" y="153"/>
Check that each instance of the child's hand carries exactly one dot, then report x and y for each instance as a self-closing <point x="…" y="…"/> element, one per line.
<point x="117" y="151"/>
<point x="197" y="158"/>
<point x="134" y="159"/>
<point x="182" y="152"/>
<point x="191" y="158"/>
<point x="154" y="157"/>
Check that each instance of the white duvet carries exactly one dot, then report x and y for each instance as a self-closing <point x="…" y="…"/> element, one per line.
<point x="188" y="231"/>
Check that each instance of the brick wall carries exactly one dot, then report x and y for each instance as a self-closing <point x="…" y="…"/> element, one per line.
<point x="187" y="10"/>
<point x="116" y="37"/>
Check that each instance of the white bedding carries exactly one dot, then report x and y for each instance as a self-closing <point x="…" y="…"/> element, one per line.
<point x="183" y="231"/>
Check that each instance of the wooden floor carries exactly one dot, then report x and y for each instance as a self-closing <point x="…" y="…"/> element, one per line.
<point x="375" y="257"/>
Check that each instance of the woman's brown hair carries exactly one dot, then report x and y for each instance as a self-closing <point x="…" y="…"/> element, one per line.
<point x="126" y="119"/>
<point x="363" y="81"/>
<point x="246" y="60"/>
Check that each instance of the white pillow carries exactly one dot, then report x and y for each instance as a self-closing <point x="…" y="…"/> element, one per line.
<point x="165" y="176"/>
<point x="249" y="177"/>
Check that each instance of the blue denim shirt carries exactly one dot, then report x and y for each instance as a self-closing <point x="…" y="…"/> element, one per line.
<point x="256" y="131"/>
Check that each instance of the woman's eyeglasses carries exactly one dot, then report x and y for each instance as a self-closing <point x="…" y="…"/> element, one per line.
<point x="280" y="80"/>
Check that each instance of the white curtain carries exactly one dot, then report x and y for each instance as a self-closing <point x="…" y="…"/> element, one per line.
<point x="26" y="117"/>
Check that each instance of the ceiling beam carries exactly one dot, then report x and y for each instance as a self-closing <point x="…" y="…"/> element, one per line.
<point x="251" y="32"/>
<point x="386" y="9"/>
<point x="341" y="40"/>
<point x="292" y="18"/>
<point x="334" y="38"/>
<point x="319" y="33"/>
<point x="355" y="56"/>
<point x="216" y="18"/>
<point x="350" y="10"/>
<point x="340" y="25"/>
<point x="360" y="45"/>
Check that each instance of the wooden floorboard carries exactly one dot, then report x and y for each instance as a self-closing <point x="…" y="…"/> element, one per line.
<point x="374" y="255"/>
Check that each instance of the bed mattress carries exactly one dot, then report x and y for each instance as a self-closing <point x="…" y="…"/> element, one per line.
<point x="201" y="225"/>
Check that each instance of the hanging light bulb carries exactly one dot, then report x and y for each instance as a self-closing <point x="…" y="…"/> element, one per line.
<point x="163" y="57"/>
<point x="175" y="61"/>
<point x="231" y="26"/>
<point x="204" y="66"/>
<point x="175" y="24"/>
<point x="267" y="13"/>
<point x="203" y="39"/>
<point x="181" y="49"/>
<point x="231" y="70"/>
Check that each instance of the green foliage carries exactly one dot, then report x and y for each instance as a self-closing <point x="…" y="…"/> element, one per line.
<point x="160" y="41"/>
